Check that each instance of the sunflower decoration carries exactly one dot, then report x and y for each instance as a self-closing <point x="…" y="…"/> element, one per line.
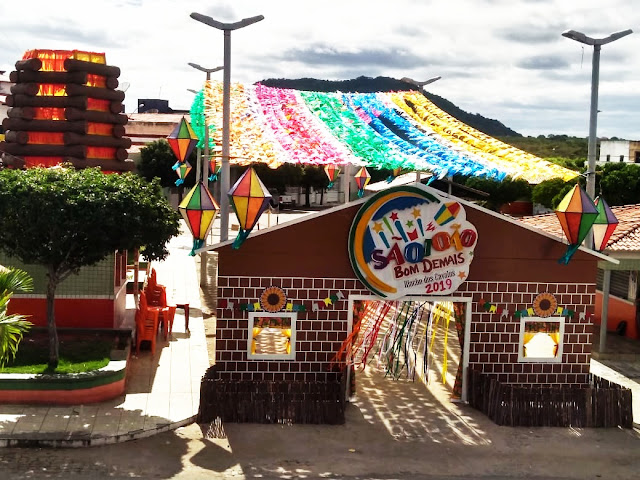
<point x="545" y="305"/>
<point x="273" y="299"/>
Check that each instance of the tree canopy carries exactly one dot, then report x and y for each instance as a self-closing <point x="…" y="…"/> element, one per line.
<point x="72" y="218"/>
<point x="156" y="160"/>
<point x="65" y="219"/>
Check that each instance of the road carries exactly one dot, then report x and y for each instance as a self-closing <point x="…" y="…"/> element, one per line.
<point x="360" y="449"/>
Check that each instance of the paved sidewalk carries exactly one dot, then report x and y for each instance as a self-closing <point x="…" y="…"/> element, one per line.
<point x="162" y="390"/>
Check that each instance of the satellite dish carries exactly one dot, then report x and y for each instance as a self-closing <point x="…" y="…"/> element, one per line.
<point x="124" y="86"/>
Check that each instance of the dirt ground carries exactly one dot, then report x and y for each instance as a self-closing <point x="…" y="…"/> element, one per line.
<point x="393" y="430"/>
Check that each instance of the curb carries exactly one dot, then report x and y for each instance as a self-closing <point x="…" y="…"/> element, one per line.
<point x="58" y="440"/>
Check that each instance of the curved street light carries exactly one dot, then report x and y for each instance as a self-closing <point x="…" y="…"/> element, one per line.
<point x="227" y="28"/>
<point x="593" y="116"/>
<point x="418" y="84"/>
<point x="591" y="152"/>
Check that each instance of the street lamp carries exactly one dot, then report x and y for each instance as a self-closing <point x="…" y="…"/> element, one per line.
<point x="204" y="169"/>
<point x="593" y="117"/>
<point x="417" y="83"/>
<point x="226" y="101"/>
<point x="591" y="152"/>
<point x="420" y="86"/>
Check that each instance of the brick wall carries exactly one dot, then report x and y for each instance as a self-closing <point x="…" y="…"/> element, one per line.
<point x="319" y="334"/>
<point x="494" y="339"/>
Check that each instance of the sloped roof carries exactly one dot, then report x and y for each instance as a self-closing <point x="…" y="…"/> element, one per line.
<point x="625" y="238"/>
<point x="381" y="130"/>
<point x="549" y="233"/>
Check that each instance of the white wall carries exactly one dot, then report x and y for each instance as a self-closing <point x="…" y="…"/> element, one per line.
<point x="614" y="148"/>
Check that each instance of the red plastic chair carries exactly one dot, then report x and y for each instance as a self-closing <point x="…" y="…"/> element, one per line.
<point x="156" y="293"/>
<point x="146" y="324"/>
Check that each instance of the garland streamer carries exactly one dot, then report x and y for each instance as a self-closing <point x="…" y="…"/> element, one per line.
<point x="381" y="130"/>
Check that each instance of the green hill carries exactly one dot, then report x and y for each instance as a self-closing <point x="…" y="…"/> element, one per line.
<point x="385" y="84"/>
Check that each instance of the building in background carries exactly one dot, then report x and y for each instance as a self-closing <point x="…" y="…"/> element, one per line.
<point x="619" y="151"/>
<point x="5" y="89"/>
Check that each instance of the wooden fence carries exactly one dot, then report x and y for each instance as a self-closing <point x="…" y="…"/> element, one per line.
<point x="271" y="402"/>
<point x="601" y="404"/>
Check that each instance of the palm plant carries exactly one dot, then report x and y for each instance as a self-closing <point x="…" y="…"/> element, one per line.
<point x="14" y="326"/>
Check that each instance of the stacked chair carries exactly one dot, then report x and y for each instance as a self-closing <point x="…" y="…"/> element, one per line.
<point x="153" y="311"/>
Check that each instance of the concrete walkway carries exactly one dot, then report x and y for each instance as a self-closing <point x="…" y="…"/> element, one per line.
<point x="162" y="390"/>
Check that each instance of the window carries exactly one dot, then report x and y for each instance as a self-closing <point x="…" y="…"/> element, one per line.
<point x="637" y="156"/>
<point x="618" y="285"/>
<point x="608" y="158"/>
<point x="272" y="336"/>
<point x="622" y="158"/>
<point x="541" y="339"/>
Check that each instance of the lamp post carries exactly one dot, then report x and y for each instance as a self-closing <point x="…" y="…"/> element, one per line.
<point x="204" y="167"/>
<point x="591" y="152"/>
<point x="593" y="116"/>
<point x="226" y="101"/>
<point x="420" y="86"/>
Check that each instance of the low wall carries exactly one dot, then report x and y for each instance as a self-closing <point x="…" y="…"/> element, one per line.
<point x="70" y="312"/>
<point x="601" y="404"/>
<point x="263" y="401"/>
<point x="67" y="389"/>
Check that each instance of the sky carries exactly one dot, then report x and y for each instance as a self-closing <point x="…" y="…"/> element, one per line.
<point x="503" y="59"/>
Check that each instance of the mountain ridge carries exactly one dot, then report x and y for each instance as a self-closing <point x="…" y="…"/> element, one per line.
<point x="363" y="84"/>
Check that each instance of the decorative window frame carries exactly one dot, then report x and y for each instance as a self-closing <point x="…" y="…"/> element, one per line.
<point x="558" y="357"/>
<point x="268" y="356"/>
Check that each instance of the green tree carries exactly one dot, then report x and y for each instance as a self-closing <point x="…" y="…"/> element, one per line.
<point x="314" y="177"/>
<point x="66" y="219"/>
<point x="279" y="178"/>
<point x="14" y="326"/>
<point x="500" y="192"/>
<point x="156" y="160"/>
<point x="545" y="193"/>
<point x="620" y="183"/>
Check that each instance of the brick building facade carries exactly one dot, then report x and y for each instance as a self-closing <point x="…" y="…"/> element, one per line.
<point x="513" y="264"/>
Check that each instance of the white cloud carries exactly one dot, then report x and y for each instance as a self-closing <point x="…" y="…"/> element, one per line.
<point x="505" y="59"/>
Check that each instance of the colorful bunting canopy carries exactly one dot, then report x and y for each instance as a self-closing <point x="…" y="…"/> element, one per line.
<point x="576" y="213"/>
<point x="332" y="172"/>
<point x="198" y="208"/>
<point x="389" y="130"/>
<point x="362" y="179"/>
<point x="249" y="198"/>
<point x="604" y="225"/>
<point x="182" y="140"/>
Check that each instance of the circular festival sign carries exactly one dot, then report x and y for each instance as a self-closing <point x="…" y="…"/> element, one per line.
<point x="407" y="241"/>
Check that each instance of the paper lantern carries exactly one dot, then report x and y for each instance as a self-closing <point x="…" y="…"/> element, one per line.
<point x="362" y="179"/>
<point x="182" y="169"/>
<point x="182" y="140"/>
<point x="215" y="168"/>
<point x="249" y="198"/>
<point x="394" y="174"/>
<point x="576" y="213"/>
<point x="198" y="208"/>
<point x="604" y="225"/>
<point x="332" y="172"/>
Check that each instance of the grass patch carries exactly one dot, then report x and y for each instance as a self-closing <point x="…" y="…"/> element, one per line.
<point x="76" y="355"/>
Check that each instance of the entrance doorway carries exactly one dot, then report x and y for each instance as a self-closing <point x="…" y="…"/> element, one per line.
<point x="403" y="381"/>
<point x="417" y="339"/>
